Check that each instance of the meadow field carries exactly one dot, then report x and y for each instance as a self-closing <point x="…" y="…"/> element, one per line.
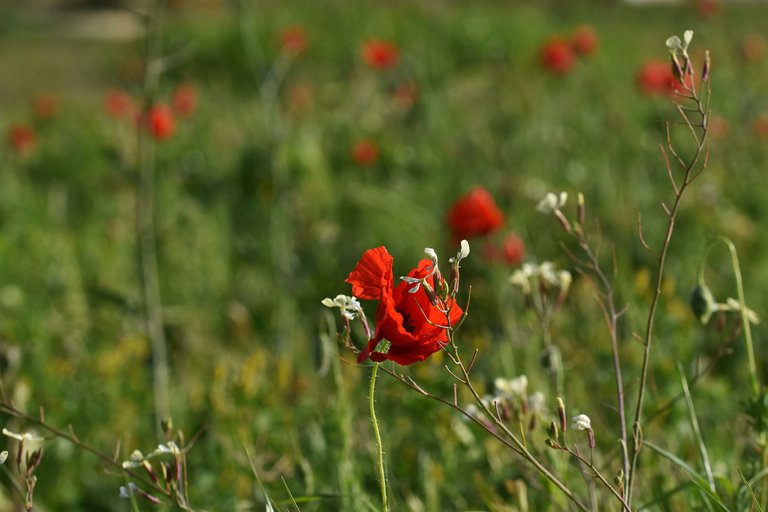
<point x="183" y="183"/>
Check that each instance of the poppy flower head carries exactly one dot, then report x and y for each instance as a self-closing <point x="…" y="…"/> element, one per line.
<point x="708" y="8"/>
<point x="184" y="100"/>
<point x="21" y="138"/>
<point x="46" y="106"/>
<point x="655" y="77"/>
<point x="584" y="40"/>
<point x="513" y="250"/>
<point x="475" y="214"/>
<point x="293" y="40"/>
<point x="760" y="126"/>
<point x="118" y="104"/>
<point x="159" y="121"/>
<point x="365" y="153"/>
<point x="381" y="55"/>
<point x="406" y="316"/>
<point x="753" y="48"/>
<point x="557" y="56"/>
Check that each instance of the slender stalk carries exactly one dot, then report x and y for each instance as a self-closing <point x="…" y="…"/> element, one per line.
<point x="145" y="228"/>
<point x="691" y="170"/>
<point x="379" y="445"/>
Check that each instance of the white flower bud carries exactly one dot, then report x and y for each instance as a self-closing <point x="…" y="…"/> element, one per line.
<point x="582" y="422"/>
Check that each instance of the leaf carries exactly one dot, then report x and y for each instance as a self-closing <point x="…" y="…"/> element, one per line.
<point x="697" y="480"/>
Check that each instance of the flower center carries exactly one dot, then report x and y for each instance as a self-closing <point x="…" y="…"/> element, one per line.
<point x="407" y="320"/>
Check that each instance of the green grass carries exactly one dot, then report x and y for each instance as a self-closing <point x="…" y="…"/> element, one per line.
<point x="261" y="213"/>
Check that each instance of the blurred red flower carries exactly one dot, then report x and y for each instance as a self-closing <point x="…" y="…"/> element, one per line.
<point x="21" y="138"/>
<point x="46" y="106"/>
<point x="118" y="103"/>
<point x="184" y="100"/>
<point x="513" y="250"/>
<point x="708" y="8"/>
<point x="159" y="122"/>
<point x="365" y="153"/>
<point x="584" y="40"/>
<point x="475" y="214"/>
<point x="760" y="126"/>
<point x="655" y="77"/>
<point x="753" y="47"/>
<point x="380" y="54"/>
<point x="293" y="40"/>
<point x="556" y="55"/>
<point x="406" y="95"/>
<point x="407" y="320"/>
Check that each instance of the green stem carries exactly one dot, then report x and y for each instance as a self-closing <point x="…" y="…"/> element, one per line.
<point x="145" y="227"/>
<point x="379" y="445"/>
<point x="754" y="379"/>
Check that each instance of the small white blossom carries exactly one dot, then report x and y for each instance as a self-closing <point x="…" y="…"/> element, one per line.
<point x="511" y="388"/>
<point x="135" y="460"/>
<point x="732" y="304"/>
<point x="552" y="202"/>
<point x="170" y="447"/>
<point x="3" y="456"/>
<point x="25" y="436"/>
<point x="463" y="253"/>
<point x="415" y="281"/>
<point x="582" y="422"/>
<point x="537" y="402"/>
<point x="126" y="491"/>
<point x="349" y="306"/>
<point x="678" y="47"/>
<point x="521" y="279"/>
<point x="432" y="255"/>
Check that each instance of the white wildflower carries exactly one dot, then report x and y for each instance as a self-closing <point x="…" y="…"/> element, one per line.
<point x="511" y="388"/>
<point x="552" y="202"/>
<point x="349" y="306"/>
<point x="24" y="436"/>
<point x="135" y="460"/>
<point x="582" y="422"/>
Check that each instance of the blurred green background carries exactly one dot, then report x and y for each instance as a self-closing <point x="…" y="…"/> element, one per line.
<point x="262" y="210"/>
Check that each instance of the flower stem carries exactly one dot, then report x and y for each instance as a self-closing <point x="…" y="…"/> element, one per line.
<point x="379" y="445"/>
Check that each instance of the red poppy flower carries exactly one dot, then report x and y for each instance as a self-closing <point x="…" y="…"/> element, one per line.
<point x="556" y="55"/>
<point x="293" y="40"/>
<point x="46" y="106"/>
<point x="753" y="47"/>
<point x="513" y="250"/>
<point x="409" y="321"/>
<point x="184" y="100"/>
<point x="584" y="40"/>
<point x="118" y="104"/>
<point x="655" y="77"/>
<point x="159" y="122"/>
<point x="760" y="126"/>
<point x="708" y="8"/>
<point x="380" y="54"/>
<point x="365" y="153"/>
<point x="475" y="214"/>
<point x="21" y="138"/>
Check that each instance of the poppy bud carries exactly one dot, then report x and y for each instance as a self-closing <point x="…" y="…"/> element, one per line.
<point x="455" y="280"/>
<point x="553" y="432"/>
<point x="561" y="414"/>
<point x="430" y="293"/>
<point x="703" y="303"/>
<point x="166" y="424"/>
<point x="705" y="68"/>
<point x="618" y="480"/>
